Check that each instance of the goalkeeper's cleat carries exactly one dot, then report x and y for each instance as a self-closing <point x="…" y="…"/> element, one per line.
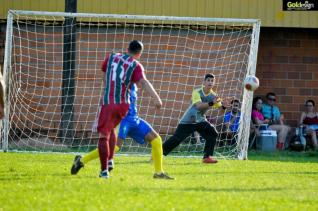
<point x="77" y="164"/>
<point x="209" y="160"/>
<point x="162" y="175"/>
<point x="111" y="165"/>
<point x="104" y="174"/>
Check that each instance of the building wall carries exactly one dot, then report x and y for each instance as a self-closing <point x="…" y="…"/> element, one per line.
<point x="288" y="66"/>
<point x="269" y="11"/>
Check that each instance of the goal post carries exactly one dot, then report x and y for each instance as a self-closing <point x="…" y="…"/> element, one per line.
<point x="246" y="109"/>
<point x="178" y="52"/>
<point x="6" y="79"/>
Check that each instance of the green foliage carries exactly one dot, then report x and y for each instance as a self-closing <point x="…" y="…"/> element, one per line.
<point x="264" y="182"/>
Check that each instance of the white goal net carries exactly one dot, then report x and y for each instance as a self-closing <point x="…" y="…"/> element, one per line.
<point x="54" y="79"/>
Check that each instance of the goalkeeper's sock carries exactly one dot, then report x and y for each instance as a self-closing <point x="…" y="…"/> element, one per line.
<point x="156" y="152"/>
<point x="90" y="156"/>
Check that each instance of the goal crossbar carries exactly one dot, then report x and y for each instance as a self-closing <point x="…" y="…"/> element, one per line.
<point x="136" y="17"/>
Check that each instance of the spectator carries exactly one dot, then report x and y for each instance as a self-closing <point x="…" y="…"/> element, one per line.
<point x="275" y="119"/>
<point x="270" y="111"/>
<point x="309" y="119"/>
<point x="259" y="118"/>
<point x="232" y="120"/>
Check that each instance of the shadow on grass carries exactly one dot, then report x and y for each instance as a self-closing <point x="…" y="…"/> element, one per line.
<point x="195" y="161"/>
<point x="25" y="176"/>
<point x="284" y="156"/>
<point x="235" y="173"/>
<point x="211" y="189"/>
<point x="146" y="161"/>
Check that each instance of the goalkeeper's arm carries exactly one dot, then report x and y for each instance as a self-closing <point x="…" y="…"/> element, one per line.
<point x="216" y="103"/>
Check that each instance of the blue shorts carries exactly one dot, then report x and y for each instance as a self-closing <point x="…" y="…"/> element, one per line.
<point x="135" y="128"/>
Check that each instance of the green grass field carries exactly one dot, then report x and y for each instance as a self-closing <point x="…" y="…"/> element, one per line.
<point x="287" y="181"/>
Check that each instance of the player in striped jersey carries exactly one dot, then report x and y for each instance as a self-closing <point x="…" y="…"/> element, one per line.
<point x="137" y="129"/>
<point x="120" y="72"/>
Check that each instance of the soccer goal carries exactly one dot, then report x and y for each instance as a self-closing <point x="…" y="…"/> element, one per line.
<point x="53" y="77"/>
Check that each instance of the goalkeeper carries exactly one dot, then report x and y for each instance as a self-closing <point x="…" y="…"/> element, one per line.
<point x="194" y="120"/>
<point x="137" y="129"/>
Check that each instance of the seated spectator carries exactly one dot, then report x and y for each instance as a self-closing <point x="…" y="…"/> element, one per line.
<point x="259" y="119"/>
<point x="270" y="111"/>
<point x="257" y="116"/>
<point x="276" y="119"/>
<point x="309" y="119"/>
<point x="232" y="118"/>
<point x="231" y="121"/>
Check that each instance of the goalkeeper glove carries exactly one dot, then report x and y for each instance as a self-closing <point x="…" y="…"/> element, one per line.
<point x="211" y="103"/>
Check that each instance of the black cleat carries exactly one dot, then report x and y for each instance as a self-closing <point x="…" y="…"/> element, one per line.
<point x="77" y="164"/>
<point x="162" y="176"/>
<point x="111" y="165"/>
<point x="104" y="174"/>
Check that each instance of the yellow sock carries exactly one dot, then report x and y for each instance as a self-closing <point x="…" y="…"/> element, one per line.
<point x="157" y="154"/>
<point x="90" y="156"/>
<point x="116" y="148"/>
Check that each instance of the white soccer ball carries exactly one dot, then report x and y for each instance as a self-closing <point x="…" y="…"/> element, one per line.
<point x="251" y="83"/>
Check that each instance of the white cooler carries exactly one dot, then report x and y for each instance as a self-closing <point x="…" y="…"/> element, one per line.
<point x="267" y="141"/>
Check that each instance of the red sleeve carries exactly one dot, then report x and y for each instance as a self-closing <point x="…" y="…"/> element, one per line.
<point x="104" y="65"/>
<point x="138" y="73"/>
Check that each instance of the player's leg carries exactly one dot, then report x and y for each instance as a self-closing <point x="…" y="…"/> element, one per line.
<point x="80" y="161"/>
<point x="103" y="151"/>
<point x="112" y="146"/>
<point x="140" y="132"/>
<point x="156" y="149"/>
<point x="119" y="144"/>
<point x="156" y="152"/>
<point x="90" y="156"/>
<point x="121" y="131"/>
<point x="182" y="131"/>
<point x="110" y="116"/>
<point x="209" y="133"/>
